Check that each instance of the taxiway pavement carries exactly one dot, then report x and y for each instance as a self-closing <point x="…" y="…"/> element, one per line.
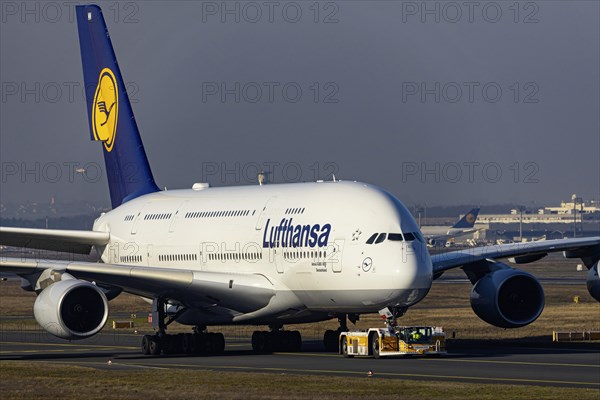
<point x="571" y="365"/>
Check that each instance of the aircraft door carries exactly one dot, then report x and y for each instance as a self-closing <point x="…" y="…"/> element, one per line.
<point x="149" y="255"/>
<point x="177" y="216"/>
<point x="335" y="253"/>
<point x="264" y="213"/>
<point x="136" y="223"/>
<point x="138" y="219"/>
<point x="278" y="257"/>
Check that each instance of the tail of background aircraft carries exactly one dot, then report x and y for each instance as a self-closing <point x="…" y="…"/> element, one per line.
<point x="110" y="115"/>
<point x="468" y="221"/>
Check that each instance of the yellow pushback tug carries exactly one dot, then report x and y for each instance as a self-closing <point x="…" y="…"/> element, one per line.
<point x="394" y="341"/>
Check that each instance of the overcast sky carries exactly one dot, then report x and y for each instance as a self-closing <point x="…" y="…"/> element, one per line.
<point x="439" y="102"/>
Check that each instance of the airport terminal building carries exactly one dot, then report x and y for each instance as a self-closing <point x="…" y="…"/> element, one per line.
<point x="574" y="218"/>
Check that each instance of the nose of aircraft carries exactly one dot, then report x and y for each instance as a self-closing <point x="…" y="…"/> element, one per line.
<point x="414" y="272"/>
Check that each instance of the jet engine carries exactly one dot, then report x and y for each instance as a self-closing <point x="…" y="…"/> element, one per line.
<point x="593" y="281"/>
<point x="71" y="309"/>
<point x="507" y="297"/>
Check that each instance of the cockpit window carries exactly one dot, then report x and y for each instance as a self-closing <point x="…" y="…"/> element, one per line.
<point x="380" y="238"/>
<point x="395" y="237"/>
<point x="372" y="238"/>
<point x="377" y="238"/>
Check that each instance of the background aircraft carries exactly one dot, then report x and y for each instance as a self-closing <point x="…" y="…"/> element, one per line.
<point x="439" y="234"/>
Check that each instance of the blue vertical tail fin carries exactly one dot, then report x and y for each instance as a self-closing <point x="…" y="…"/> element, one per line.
<point x="468" y="221"/>
<point x="110" y="115"/>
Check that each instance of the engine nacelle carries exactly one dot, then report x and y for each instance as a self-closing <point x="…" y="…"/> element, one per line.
<point x="508" y="298"/>
<point x="71" y="309"/>
<point x="593" y="282"/>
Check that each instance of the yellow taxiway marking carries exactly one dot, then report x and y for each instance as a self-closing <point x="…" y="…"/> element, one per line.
<point x="539" y="364"/>
<point x="96" y="346"/>
<point x="307" y="354"/>
<point x="91" y="363"/>
<point x="460" y="360"/>
<point x="78" y="348"/>
<point x="392" y="374"/>
<point x="135" y="365"/>
<point x="45" y="351"/>
<point x="72" y="345"/>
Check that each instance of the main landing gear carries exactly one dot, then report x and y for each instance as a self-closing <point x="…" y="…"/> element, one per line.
<point x="199" y="342"/>
<point x="331" y="338"/>
<point x="276" y="340"/>
<point x="202" y="343"/>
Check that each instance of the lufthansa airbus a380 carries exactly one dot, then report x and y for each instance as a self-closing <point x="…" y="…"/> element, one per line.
<point x="270" y="255"/>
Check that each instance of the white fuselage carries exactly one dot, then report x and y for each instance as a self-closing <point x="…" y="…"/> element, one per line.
<point x="309" y="240"/>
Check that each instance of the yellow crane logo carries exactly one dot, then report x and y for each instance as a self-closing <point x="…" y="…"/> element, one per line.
<point x="105" y="110"/>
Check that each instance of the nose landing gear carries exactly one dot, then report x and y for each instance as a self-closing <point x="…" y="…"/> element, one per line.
<point x="392" y="315"/>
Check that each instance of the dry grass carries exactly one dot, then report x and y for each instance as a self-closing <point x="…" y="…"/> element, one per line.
<point x="50" y="381"/>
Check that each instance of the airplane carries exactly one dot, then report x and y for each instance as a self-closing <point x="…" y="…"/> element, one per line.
<point x="271" y="254"/>
<point x="437" y="234"/>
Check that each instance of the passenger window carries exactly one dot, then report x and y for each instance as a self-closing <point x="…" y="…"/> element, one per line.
<point x="395" y="237"/>
<point x="372" y="239"/>
<point x="380" y="238"/>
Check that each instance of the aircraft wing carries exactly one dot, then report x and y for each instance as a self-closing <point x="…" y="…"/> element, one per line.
<point x="588" y="249"/>
<point x="235" y="291"/>
<point x="71" y="241"/>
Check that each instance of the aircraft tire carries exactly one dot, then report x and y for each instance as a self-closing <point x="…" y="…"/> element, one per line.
<point x="345" y="347"/>
<point x="186" y="343"/>
<point x="146" y="339"/>
<point x="155" y="346"/>
<point x="330" y="340"/>
<point x="374" y="344"/>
